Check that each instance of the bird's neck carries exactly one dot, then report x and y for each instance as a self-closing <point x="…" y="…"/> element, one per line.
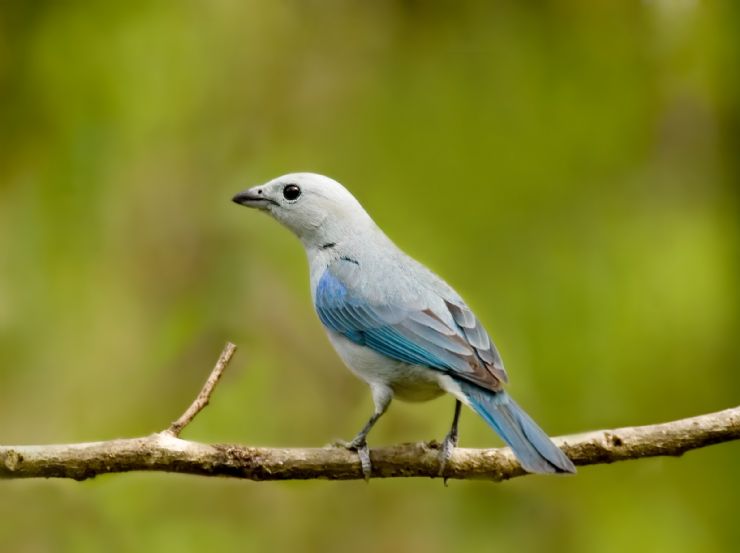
<point x="353" y="239"/>
<point x="333" y="232"/>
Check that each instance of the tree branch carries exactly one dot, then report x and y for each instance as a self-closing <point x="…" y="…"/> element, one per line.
<point x="166" y="452"/>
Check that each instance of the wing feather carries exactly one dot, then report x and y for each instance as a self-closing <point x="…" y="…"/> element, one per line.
<point x="453" y="341"/>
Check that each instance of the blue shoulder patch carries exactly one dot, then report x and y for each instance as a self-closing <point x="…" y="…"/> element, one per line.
<point x="331" y="295"/>
<point x="351" y="316"/>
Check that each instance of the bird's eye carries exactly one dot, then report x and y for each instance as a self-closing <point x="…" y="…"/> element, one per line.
<point x="291" y="192"/>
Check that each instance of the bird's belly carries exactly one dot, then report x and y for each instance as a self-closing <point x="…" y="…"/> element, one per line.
<point x="408" y="382"/>
<point x="417" y="389"/>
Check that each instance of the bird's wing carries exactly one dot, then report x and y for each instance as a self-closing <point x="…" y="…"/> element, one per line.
<point x="445" y="336"/>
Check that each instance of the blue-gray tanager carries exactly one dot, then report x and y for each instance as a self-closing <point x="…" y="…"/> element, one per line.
<point x="395" y="324"/>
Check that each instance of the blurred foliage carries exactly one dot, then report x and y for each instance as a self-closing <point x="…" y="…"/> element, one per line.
<point x="570" y="166"/>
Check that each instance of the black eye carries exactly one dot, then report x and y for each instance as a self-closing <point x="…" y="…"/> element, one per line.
<point x="291" y="192"/>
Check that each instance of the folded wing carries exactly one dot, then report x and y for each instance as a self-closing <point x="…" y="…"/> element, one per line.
<point x="446" y="336"/>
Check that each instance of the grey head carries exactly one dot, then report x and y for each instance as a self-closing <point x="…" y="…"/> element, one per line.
<point x="315" y="208"/>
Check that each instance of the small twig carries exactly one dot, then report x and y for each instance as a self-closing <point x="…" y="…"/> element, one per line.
<point x="205" y="393"/>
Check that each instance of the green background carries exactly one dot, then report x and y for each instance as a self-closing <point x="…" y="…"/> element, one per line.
<point x="571" y="167"/>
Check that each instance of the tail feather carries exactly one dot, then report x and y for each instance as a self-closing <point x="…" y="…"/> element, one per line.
<point x="534" y="449"/>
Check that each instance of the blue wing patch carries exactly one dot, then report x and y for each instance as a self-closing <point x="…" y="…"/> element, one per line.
<point x="408" y="335"/>
<point x="358" y="321"/>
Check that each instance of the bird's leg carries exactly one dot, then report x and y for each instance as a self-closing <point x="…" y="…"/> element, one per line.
<point x="359" y="444"/>
<point x="450" y="441"/>
<point x="382" y="399"/>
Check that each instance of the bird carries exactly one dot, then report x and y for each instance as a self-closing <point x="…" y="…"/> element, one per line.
<point x="394" y="323"/>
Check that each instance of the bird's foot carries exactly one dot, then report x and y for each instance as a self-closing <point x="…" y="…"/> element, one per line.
<point x="448" y="446"/>
<point x="363" y="452"/>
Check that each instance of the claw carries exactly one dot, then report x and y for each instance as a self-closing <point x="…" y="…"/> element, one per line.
<point x="363" y="452"/>
<point x="448" y="446"/>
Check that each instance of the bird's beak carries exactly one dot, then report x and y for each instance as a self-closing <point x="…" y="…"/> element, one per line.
<point x="254" y="197"/>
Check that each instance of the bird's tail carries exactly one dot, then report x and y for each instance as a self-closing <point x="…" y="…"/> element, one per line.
<point x="534" y="449"/>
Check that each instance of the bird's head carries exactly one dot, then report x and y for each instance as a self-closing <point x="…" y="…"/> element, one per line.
<point x="316" y="208"/>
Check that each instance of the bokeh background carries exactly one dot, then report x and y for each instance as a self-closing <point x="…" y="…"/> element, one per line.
<point x="572" y="167"/>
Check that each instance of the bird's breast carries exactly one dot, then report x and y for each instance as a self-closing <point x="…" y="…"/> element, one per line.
<point x="408" y="382"/>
